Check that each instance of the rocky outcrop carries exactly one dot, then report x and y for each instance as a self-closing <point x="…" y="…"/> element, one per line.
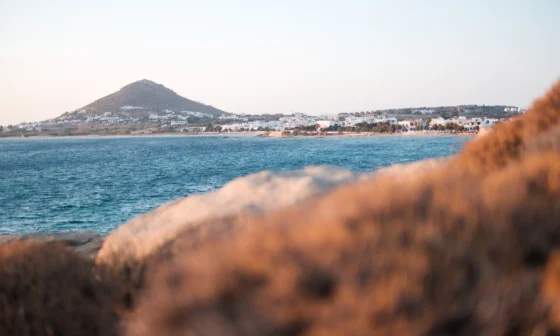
<point x="200" y="217"/>
<point x="253" y="194"/>
<point x="411" y="170"/>
<point x="85" y="243"/>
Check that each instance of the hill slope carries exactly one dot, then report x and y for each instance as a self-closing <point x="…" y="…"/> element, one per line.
<point x="148" y="95"/>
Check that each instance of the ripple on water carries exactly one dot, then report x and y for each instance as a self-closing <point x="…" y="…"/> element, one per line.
<point x="97" y="184"/>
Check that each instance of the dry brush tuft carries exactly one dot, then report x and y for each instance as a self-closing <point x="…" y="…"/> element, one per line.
<point x="45" y="289"/>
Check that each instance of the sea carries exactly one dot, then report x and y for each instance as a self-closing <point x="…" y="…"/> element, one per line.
<point x="51" y="185"/>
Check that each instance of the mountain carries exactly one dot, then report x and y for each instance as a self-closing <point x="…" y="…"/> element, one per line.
<point x="145" y="95"/>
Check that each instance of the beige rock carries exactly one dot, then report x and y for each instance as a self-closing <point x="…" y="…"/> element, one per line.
<point x="410" y="170"/>
<point x="219" y="212"/>
<point x="253" y="194"/>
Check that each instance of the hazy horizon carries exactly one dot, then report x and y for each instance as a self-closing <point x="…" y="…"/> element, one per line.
<point x="318" y="57"/>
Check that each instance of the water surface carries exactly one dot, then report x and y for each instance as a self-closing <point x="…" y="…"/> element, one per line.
<point x="98" y="184"/>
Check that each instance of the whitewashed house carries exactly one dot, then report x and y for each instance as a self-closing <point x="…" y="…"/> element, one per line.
<point x="438" y="121"/>
<point x="326" y="123"/>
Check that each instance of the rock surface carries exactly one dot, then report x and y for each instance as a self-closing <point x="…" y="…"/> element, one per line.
<point x="253" y="194"/>
<point x="410" y="170"/>
<point x="250" y="195"/>
<point x="85" y="243"/>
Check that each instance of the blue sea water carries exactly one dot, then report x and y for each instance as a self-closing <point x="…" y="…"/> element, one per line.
<point x="97" y="184"/>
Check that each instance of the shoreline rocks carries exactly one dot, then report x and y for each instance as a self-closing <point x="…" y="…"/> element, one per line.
<point x="254" y="194"/>
<point x="200" y="217"/>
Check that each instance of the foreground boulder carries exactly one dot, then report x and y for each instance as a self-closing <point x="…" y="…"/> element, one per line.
<point x="192" y="220"/>
<point x="254" y="194"/>
<point x="185" y="225"/>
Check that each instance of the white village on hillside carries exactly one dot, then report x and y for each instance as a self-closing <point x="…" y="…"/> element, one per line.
<point x="146" y="107"/>
<point x="193" y="121"/>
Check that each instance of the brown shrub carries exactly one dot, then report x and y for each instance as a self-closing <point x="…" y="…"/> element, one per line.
<point x="551" y="288"/>
<point x="451" y="255"/>
<point x="45" y="289"/>
<point x="506" y="142"/>
<point x="459" y="251"/>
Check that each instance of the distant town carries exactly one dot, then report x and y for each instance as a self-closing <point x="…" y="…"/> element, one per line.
<point x="84" y="122"/>
<point x="145" y="107"/>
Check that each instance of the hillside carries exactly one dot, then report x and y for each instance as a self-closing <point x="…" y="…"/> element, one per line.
<point x="146" y="96"/>
<point x="490" y="111"/>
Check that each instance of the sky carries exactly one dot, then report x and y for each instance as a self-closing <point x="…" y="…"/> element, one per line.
<point x="263" y="56"/>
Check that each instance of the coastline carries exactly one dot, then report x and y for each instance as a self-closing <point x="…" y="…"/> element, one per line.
<point x="372" y="134"/>
<point x="240" y="134"/>
<point x="115" y="136"/>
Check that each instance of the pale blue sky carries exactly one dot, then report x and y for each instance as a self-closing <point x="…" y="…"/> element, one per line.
<point x="259" y="56"/>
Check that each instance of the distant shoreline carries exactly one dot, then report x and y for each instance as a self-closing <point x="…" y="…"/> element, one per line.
<point x="98" y="136"/>
<point x="373" y="134"/>
<point x="238" y="134"/>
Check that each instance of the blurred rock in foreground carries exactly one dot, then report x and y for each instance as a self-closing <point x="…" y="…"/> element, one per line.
<point x="199" y="216"/>
<point x="253" y="194"/>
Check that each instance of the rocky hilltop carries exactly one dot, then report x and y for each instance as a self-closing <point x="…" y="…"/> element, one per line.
<point x="144" y="96"/>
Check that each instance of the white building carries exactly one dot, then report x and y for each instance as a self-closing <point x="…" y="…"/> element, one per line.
<point x="198" y="114"/>
<point x="111" y="120"/>
<point x="392" y="120"/>
<point x="438" y="121"/>
<point x="384" y="119"/>
<point x="253" y="126"/>
<point x="298" y="120"/>
<point x="353" y="121"/>
<point x="326" y="123"/>
<point x="159" y="117"/>
<point x="406" y="124"/>
<point x="488" y="123"/>
<point x="412" y="124"/>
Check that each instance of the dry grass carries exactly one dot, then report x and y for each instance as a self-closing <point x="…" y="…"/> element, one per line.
<point x="45" y="289"/>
